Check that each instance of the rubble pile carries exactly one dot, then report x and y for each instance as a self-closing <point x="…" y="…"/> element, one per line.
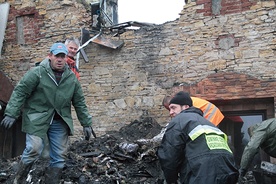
<point x="116" y="157"/>
<point x="126" y="156"/>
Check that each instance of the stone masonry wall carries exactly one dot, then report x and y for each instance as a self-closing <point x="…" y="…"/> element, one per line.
<point x="205" y="50"/>
<point x="123" y="84"/>
<point x="42" y="23"/>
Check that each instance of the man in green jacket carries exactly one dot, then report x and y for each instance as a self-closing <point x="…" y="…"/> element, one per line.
<point x="45" y="94"/>
<point x="263" y="135"/>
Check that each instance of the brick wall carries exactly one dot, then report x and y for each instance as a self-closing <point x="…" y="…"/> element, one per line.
<point x="213" y="53"/>
<point x="223" y="7"/>
<point x="31" y="23"/>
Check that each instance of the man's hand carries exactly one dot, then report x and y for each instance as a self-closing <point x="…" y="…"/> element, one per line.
<point x="7" y="122"/>
<point x="87" y="132"/>
<point x="242" y="173"/>
<point x="241" y="180"/>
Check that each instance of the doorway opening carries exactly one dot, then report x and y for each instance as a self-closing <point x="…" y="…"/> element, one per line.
<point x="239" y="116"/>
<point x="235" y="125"/>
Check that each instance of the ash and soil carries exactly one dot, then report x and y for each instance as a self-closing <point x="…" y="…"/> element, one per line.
<point x="116" y="157"/>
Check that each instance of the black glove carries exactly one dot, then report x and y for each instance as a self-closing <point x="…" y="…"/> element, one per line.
<point x="242" y="178"/>
<point x="242" y="172"/>
<point x="7" y="122"/>
<point x="87" y="130"/>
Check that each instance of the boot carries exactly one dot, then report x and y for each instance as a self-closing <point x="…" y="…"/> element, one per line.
<point x="22" y="172"/>
<point x="53" y="175"/>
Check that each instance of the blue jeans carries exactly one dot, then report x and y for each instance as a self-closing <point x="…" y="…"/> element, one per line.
<point x="58" y="141"/>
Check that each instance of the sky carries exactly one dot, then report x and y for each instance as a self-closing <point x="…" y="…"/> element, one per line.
<point x="150" y="11"/>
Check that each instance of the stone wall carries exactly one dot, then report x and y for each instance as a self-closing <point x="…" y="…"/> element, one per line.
<point x="33" y="26"/>
<point x="205" y="50"/>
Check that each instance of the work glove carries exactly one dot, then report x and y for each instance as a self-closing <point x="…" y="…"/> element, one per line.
<point x="242" y="178"/>
<point x="87" y="130"/>
<point x="242" y="172"/>
<point x="7" y="122"/>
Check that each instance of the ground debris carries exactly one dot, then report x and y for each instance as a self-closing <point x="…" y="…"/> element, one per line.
<point x="112" y="158"/>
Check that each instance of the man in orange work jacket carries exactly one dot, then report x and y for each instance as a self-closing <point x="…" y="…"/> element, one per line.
<point x="72" y="45"/>
<point x="210" y="111"/>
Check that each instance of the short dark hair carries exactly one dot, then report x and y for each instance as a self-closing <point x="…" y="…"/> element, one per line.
<point x="166" y="101"/>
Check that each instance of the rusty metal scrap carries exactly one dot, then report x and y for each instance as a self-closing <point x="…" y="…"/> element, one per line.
<point x="108" y="42"/>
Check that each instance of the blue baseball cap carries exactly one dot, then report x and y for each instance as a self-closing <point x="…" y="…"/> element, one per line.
<point x="58" y="48"/>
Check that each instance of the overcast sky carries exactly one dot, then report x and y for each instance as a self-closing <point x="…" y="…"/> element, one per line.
<point x="150" y="11"/>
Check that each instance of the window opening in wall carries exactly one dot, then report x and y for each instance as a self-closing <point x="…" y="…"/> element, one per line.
<point x="25" y="29"/>
<point x="114" y="13"/>
<point x="235" y="125"/>
<point x="20" y="30"/>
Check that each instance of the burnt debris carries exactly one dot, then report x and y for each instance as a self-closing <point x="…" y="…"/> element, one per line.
<point x="115" y="157"/>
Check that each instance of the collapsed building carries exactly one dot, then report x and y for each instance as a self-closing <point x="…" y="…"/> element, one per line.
<point x="222" y="51"/>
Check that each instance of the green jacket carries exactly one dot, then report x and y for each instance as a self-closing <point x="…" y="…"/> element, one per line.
<point x="38" y="95"/>
<point x="264" y="137"/>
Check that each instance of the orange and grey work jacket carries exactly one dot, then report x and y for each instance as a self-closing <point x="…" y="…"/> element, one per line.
<point x="72" y="65"/>
<point x="210" y="111"/>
